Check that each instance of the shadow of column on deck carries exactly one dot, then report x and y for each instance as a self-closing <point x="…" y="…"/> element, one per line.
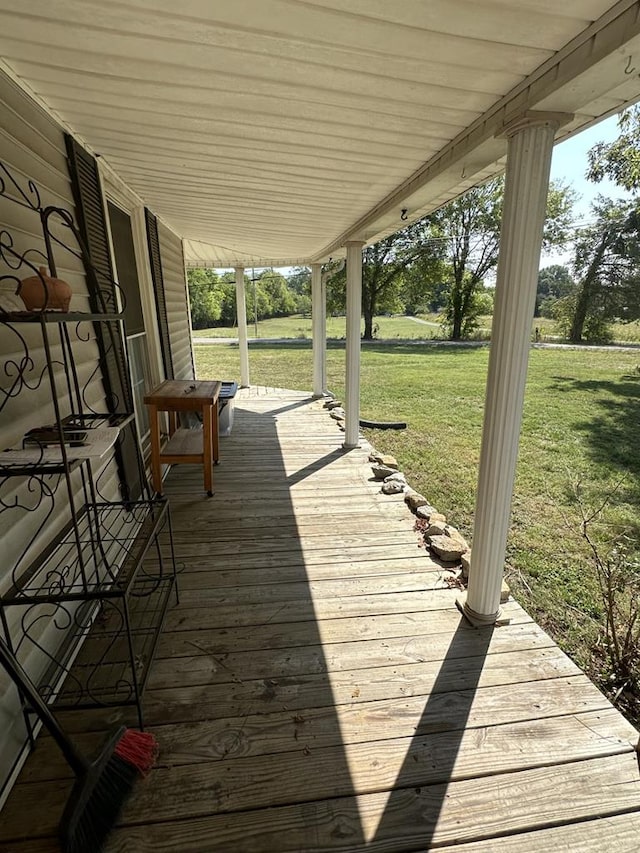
<point x="420" y="791"/>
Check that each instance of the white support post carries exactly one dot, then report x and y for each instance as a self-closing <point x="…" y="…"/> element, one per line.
<point x="319" y="319"/>
<point x="528" y="162"/>
<point x="354" y="314"/>
<point x="323" y="290"/>
<point x="243" y="341"/>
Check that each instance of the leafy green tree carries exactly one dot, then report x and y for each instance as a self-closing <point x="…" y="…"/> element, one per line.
<point x="619" y="160"/>
<point x="484" y="301"/>
<point x="425" y="281"/>
<point x="206" y="296"/>
<point x="303" y="304"/>
<point x="299" y="281"/>
<point x="256" y="297"/>
<point x="607" y="270"/>
<point x="383" y="266"/>
<point x="457" y="244"/>
<point x="228" y="286"/>
<point x="554" y="282"/>
<point x="610" y="284"/>
<point x="386" y="265"/>
<point x="281" y="300"/>
<point x="334" y="276"/>
<point x="472" y="223"/>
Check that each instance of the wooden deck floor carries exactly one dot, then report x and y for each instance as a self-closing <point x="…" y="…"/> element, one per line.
<point x="317" y="689"/>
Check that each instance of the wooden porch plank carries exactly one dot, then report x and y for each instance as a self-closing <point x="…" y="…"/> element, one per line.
<point x="402" y="640"/>
<point x="271" y="477"/>
<point x="373" y="764"/>
<point x="183" y="703"/>
<point x="270" y="507"/>
<point x="228" y="552"/>
<point x="305" y="632"/>
<point x="295" y="685"/>
<point x="354" y="663"/>
<point x="412" y="818"/>
<point x="270" y="724"/>
<point x="318" y="690"/>
<point x="272" y="526"/>
<point x="268" y="569"/>
<point x="372" y="507"/>
<point x="382" y="718"/>
<point x="299" y="532"/>
<point x="299" y="494"/>
<point x="402" y="822"/>
<point x="617" y="833"/>
<point x="339" y="630"/>
<point x="304" y="609"/>
<point x="279" y="591"/>
<point x="274" y="480"/>
<point x="197" y="546"/>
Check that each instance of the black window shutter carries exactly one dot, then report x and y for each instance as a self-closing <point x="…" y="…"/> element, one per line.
<point x="155" y="260"/>
<point x="87" y="193"/>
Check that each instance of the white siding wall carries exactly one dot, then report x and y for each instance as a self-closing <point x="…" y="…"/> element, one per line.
<point x="32" y="146"/>
<point x="175" y="289"/>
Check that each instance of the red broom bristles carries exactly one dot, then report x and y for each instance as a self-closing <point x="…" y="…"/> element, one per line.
<point x="139" y="749"/>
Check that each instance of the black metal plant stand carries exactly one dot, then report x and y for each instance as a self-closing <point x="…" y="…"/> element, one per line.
<point x="83" y="610"/>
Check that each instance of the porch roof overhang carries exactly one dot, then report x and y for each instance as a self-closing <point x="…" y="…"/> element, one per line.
<point x="271" y="132"/>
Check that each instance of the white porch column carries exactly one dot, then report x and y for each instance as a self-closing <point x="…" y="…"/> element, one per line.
<point x="527" y="180"/>
<point x="243" y="342"/>
<point x="319" y="319"/>
<point x="354" y="314"/>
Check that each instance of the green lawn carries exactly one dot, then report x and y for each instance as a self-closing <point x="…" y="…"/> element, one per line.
<point x="397" y="328"/>
<point x="581" y="422"/>
<point x="299" y="328"/>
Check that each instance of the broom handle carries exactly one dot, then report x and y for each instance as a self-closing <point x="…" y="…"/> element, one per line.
<point x="76" y="761"/>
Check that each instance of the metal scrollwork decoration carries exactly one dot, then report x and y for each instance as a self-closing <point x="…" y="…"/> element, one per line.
<point x="19" y="370"/>
<point x="13" y="190"/>
<point x="77" y="596"/>
<point x="54" y="222"/>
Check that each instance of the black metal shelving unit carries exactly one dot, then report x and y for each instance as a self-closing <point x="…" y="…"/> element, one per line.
<point x="90" y="604"/>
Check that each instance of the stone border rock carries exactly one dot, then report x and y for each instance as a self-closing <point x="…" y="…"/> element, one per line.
<point x="442" y="540"/>
<point x="334" y="407"/>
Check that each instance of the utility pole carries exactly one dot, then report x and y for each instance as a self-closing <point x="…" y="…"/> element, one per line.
<point x="255" y="302"/>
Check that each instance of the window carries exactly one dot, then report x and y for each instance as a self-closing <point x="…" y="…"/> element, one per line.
<point x="127" y="274"/>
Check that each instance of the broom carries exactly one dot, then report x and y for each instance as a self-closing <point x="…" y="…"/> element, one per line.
<point x="102" y="785"/>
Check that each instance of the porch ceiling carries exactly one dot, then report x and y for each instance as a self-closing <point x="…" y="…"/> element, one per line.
<point x="271" y="131"/>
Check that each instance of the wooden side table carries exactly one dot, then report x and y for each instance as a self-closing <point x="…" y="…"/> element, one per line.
<point x="184" y="445"/>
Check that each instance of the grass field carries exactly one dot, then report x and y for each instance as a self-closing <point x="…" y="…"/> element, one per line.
<point x="299" y="328"/>
<point x="581" y="422"/>
<point x="424" y="327"/>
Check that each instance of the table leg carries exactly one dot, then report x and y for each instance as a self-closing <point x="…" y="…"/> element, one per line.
<point x="216" y="433"/>
<point x="207" y="448"/>
<point x="173" y="422"/>
<point x="154" y="429"/>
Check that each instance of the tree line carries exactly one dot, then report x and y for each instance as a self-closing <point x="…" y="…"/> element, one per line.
<point x="446" y="261"/>
<point x="268" y="294"/>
